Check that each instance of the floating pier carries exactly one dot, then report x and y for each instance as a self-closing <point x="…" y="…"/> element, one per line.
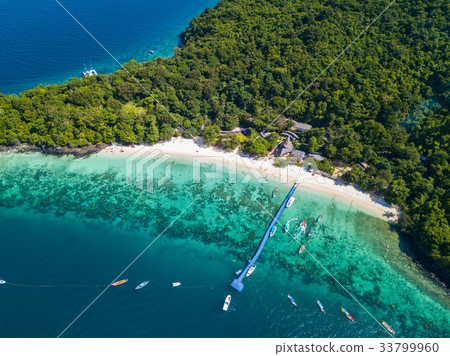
<point x="237" y="283"/>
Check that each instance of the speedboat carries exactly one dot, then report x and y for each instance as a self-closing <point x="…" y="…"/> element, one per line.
<point x="302" y="247"/>
<point x="347" y="314"/>
<point x="2" y="281"/>
<point x="176" y="284"/>
<point x="290" y="202"/>
<point x="320" y="306"/>
<point x="239" y="271"/>
<point x="250" y="271"/>
<point x="320" y="217"/>
<point x="292" y="300"/>
<point x="272" y="231"/>
<point x="302" y="227"/>
<point x="152" y="52"/>
<point x="142" y="285"/>
<point x="388" y="327"/>
<point x="274" y="193"/>
<point x="118" y="283"/>
<point x="312" y="232"/>
<point x="227" y="303"/>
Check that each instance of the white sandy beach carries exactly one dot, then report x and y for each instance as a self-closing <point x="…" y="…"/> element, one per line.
<point x="261" y="168"/>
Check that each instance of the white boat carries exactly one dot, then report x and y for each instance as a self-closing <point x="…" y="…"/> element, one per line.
<point x="176" y="284"/>
<point x="238" y="271"/>
<point x="290" y="202"/>
<point x="273" y="230"/>
<point x="302" y="227"/>
<point x="250" y="271"/>
<point x="226" y="305"/>
<point x="2" y="281"/>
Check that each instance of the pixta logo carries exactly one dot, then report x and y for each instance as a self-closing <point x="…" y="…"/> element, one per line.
<point x="141" y="167"/>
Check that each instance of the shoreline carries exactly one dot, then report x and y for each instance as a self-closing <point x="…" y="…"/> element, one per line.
<point x="263" y="168"/>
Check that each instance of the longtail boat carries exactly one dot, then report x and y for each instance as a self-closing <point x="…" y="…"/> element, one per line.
<point x="275" y="191"/>
<point x="347" y="314"/>
<point x="388" y="327"/>
<point x="118" y="283"/>
<point x="142" y="285"/>
<point x="292" y="300"/>
<point x="322" y="309"/>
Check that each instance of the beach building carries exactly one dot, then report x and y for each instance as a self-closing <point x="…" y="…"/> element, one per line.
<point x="287" y="148"/>
<point x="290" y="134"/>
<point x="316" y="156"/>
<point x="284" y="148"/>
<point x="300" y="155"/>
<point x="300" y="126"/>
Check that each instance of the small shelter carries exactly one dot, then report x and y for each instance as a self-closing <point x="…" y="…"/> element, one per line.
<point x="301" y="126"/>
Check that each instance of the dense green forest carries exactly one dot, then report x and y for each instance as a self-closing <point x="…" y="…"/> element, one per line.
<point x="244" y="61"/>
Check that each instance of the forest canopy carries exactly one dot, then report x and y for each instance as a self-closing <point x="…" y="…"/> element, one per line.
<point x="243" y="62"/>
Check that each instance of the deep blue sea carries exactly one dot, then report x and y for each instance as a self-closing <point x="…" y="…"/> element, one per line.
<point x="41" y="44"/>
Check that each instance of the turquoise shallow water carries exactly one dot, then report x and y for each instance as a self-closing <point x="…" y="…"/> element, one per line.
<point x="42" y="44"/>
<point x="69" y="226"/>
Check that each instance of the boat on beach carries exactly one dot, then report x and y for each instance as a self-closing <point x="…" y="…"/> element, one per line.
<point x="290" y="202"/>
<point x="320" y="217"/>
<point x="142" y="285"/>
<point x="250" y="271"/>
<point x="347" y="314"/>
<point x="388" y="327"/>
<point x="312" y="232"/>
<point x="322" y="309"/>
<point x="176" y="284"/>
<point x="273" y="230"/>
<point x="292" y="300"/>
<point x="302" y="247"/>
<point x="274" y="193"/>
<point x="226" y="305"/>
<point x="118" y="283"/>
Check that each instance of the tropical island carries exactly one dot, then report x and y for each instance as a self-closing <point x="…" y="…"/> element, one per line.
<point x="380" y="111"/>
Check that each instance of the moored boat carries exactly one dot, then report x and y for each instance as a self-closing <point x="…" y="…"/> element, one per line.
<point x="347" y="314"/>
<point x="302" y="247"/>
<point x="290" y="202"/>
<point x="272" y="231"/>
<point x="388" y="327"/>
<point x="151" y="51"/>
<point x="176" y="284"/>
<point x="250" y="271"/>
<point x="226" y="305"/>
<point x="286" y="227"/>
<point x="2" y="281"/>
<point x="274" y="193"/>
<point x="312" y="232"/>
<point x="142" y="285"/>
<point x="322" y="309"/>
<point x="320" y="217"/>
<point x="118" y="283"/>
<point x="302" y="227"/>
<point x="292" y="300"/>
<point x="238" y="271"/>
